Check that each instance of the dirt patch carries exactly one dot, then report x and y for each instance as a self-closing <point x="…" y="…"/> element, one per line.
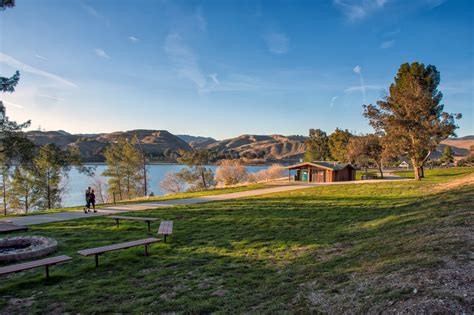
<point x="454" y="184"/>
<point x="445" y="287"/>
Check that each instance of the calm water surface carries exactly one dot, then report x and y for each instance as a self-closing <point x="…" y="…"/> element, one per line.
<point x="77" y="183"/>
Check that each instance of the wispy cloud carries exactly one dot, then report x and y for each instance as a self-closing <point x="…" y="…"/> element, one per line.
<point x="387" y="44"/>
<point x="277" y="43"/>
<point x="185" y="60"/>
<point x="94" y="13"/>
<point x="363" y="88"/>
<point x="51" y="97"/>
<point x="133" y="39"/>
<point x="333" y="100"/>
<point x="16" y="64"/>
<point x="101" y="53"/>
<point x="40" y="57"/>
<point x="213" y="77"/>
<point x="355" y="10"/>
<point x="358" y="70"/>
<point x="391" y="33"/>
<point x="19" y="106"/>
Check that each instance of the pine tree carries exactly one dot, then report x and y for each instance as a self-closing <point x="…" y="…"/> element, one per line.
<point x="411" y="116"/>
<point x="125" y="170"/>
<point x="447" y="156"/>
<point x="50" y="166"/>
<point x="317" y="146"/>
<point x="197" y="175"/>
<point x="338" y="142"/>
<point x="22" y="192"/>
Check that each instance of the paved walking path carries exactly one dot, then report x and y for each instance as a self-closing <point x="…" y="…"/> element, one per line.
<point x="79" y="214"/>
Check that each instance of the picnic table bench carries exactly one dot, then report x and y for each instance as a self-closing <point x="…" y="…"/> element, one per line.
<point x="35" y="264"/>
<point x="109" y="248"/>
<point x="147" y="220"/>
<point x="8" y="226"/>
<point x="166" y="228"/>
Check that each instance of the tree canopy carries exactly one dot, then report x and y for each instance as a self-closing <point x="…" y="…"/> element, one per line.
<point x="411" y="116"/>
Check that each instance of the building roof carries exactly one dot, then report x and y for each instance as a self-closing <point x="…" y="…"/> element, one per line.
<point x="323" y="164"/>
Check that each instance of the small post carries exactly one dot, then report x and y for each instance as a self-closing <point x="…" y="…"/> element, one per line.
<point x="117" y="220"/>
<point x="146" y="250"/>
<point x="47" y="272"/>
<point x="165" y="237"/>
<point x="96" y="260"/>
<point x="148" y="226"/>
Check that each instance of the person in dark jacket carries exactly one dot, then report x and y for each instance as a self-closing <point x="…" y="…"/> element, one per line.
<point x="87" y="208"/>
<point x="92" y="199"/>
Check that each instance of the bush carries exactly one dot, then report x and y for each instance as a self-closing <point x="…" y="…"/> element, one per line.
<point x="231" y="172"/>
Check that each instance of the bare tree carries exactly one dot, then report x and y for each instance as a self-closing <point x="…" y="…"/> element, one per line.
<point x="273" y="172"/>
<point x="172" y="184"/>
<point x="231" y="172"/>
<point x="101" y="189"/>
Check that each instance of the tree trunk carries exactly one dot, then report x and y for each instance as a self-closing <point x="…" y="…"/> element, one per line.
<point x="417" y="169"/>
<point x="422" y="172"/>
<point x="203" y="178"/>
<point x="4" y="194"/>
<point x="144" y="175"/>
<point x="381" y="171"/>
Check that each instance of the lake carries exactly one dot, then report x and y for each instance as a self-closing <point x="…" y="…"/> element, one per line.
<point x="77" y="183"/>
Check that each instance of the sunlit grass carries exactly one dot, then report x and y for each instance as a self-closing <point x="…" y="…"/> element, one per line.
<point x="254" y="254"/>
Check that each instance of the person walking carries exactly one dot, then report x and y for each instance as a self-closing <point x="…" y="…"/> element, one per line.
<point x="87" y="208"/>
<point x="92" y="199"/>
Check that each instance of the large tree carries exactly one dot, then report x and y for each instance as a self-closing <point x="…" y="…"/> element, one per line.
<point x="196" y="174"/>
<point x="14" y="146"/>
<point x="317" y="146"/>
<point x="367" y="150"/>
<point x="448" y="155"/>
<point x="125" y="169"/>
<point x="50" y="166"/>
<point x="338" y="142"/>
<point x="411" y="116"/>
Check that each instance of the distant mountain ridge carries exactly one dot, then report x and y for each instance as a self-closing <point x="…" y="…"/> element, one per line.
<point x="161" y="145"/>
<point x="158" y="144"/>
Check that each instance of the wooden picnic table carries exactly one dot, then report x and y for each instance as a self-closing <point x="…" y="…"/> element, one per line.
<point x="166" y="228"/>
<point x="117" y="218"/>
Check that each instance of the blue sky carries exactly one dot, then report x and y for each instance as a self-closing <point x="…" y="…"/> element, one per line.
<point x="225" y="68"/>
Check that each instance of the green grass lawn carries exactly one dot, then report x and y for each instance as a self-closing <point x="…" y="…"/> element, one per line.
<point x="192" y="194"/>
<point x="343" y="248"/>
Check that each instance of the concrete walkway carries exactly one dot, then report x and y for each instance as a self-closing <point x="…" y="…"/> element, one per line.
<point x="79" y="214"/>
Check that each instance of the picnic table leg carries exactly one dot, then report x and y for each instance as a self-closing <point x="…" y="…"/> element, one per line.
<point x="146" y="250"/>
<point x="96" y="260"/>
<point x="47" y="272"/>
<point x="117" y="220"/>
<point x="165" y="237"/>
<point x="148" y="225"/>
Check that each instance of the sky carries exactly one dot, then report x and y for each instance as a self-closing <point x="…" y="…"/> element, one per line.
<point x="224" y="68"/>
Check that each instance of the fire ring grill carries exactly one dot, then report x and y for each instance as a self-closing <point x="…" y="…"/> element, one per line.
<point x="26" y="247"/>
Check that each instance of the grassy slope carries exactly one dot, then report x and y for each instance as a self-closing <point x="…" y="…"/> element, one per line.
<point x="355" y="248"/>
<point x="193" y="194"/>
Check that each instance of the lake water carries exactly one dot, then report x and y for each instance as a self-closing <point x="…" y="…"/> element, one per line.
<point x="77" y="183"/>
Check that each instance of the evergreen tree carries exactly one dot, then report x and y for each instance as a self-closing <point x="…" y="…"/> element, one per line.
<point x="197" y="175"/>
<point x="447" y="156"/>
<point x="411" y="116"/>
<point x="125" y="170"/>
<point x="22" y="192"/>
<point x="13" y="143"/>
<point x="317" y="146"/>
<point x="50" y="166"/>
<point x="338" y="142"/>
